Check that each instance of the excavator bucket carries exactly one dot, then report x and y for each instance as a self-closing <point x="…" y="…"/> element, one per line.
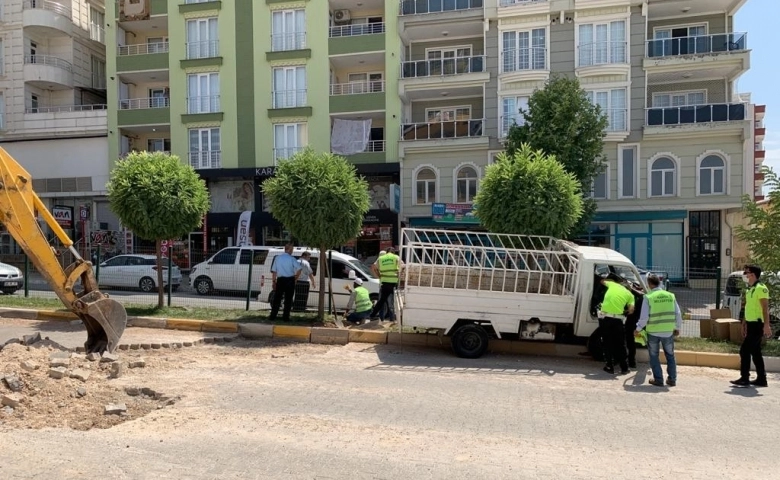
<point x="105" y="320"/>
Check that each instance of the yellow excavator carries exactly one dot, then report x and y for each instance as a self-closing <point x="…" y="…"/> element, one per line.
<point x="104" y="318"/>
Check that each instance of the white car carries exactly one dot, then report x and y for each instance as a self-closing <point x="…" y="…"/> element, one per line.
<point x="135" y="271"/>
<point x="11" y="278"/>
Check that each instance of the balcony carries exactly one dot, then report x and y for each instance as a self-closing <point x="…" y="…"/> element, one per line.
<point x="135" y="12"/>
<point x="457" y="77"/>
<point x="205" y="49"/>
<point x="142" y="57"/>
<point x="432" y="20"/>
<point x="288" y="46"/>
<point x="760" y="132"/>
<point x="524" y="64"/>
<point x="345" y="39"/>
<point x="289" y="103"/>
<point x="759" y="154"/>
<point x="144" y="111"/>
<point x="285" y="153"/>
<point x="205" y="159"/>
<point x="716" y="118"/>
<point x="442" y="130"/>
<point x="444" y="67"/>
<point x="48" y="72"/>
<point x="357" y="96"/>
<point x="421" y="7"/>
<point x="602" y="58"/>
<point x="47" y="17"/>
<point x="699" y="57"/>
<point x="66" y="120"/>
<point x="374" y="153"/>
<point x="508" y="8"/>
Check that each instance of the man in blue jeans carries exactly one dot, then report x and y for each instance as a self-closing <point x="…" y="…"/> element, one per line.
<point x="661" y="317"/>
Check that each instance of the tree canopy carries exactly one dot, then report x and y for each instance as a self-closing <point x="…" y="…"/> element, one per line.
<point x="529" y="193"/>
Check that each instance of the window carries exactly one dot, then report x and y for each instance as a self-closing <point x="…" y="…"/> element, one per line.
<point x="96" y="21"/>
<point x="712" y="176"/>
<point x="202" y="38"/>
<point x="447" y="114"/>
<point x="365" y="82"/>
<point x="158" y="98"/>
<point x="466" y="184"/>
<point x="203" y="93"/>
<point x="599" y="190"/>
<point x="289" y="87"/>
<point x="258" y="256"/>
<point x="663" y="171"/>
<point x="288" y="139"/>
<point x="680" y="41"/>
<point x="288" y="30"/>
<point x="205" y="149"/>
<point x="627" y="171"/>
<point x="524" y="50"/>
<point x="425" y="183"/>
<point x="448" y="61"/>
<point x="158" y="145"/>
<point x="34" y="103"/>
<point x="225" y="257"/>
<point x="98" y="73"/>
<point x="510" y="112"/>
<point x="680" y="99"/>
<point x="602" y="43"/>
<point x="613" y="105"/>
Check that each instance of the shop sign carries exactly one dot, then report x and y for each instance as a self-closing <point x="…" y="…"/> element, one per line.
<point x="265" y="172"/>
<point x="454" y="213"/>
<point x="63" y="215"/>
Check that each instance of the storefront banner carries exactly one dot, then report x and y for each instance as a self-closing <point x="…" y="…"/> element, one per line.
<point x="63" y="215"/>
<point x="395" y="196"/>
<point x="232" y="197"/>
<point x="454" y="213"/>
<point x="242" y="231"/>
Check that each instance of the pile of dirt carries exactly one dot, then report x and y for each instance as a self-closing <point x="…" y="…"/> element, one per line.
<point x="86" y="395"/>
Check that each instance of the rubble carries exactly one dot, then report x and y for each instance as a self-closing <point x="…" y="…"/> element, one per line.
<point x="11" y="400"/>
<point x="30" y="366"/>
<point x="59" y="359"/>
<point x="115" y="409"/>
<point x="80" y="374"/>
<point x="140" y="363"/>
<point x="13" y="383"/>
<point x="57" y="372"/>
<point x="109" y="357"/>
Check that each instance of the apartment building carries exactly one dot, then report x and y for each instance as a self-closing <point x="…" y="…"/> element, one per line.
<point x="53" y="116"/>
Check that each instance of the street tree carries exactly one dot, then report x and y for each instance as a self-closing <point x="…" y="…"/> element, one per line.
<point x="158" y="198"/>
<point x="321" y="200"/>
<point x="529" y="193"/>
<point x="562" y="121"/>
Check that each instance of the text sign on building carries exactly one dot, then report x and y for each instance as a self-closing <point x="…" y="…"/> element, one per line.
<point x="454" y="213"/>
<point x="84" y="212"/>
<point x="63" y="215"/>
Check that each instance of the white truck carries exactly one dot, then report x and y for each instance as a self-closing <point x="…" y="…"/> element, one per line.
<point x="472" y="286"/>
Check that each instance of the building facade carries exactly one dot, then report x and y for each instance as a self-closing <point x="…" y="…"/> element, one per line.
<point x="53" y="112"/>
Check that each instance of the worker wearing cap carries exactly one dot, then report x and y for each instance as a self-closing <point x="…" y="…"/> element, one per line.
<point x="359" y="303"/>
<point x="755" y="326"/>
<point x="661" y="317"/>
<point x="388" y="267"/>
<point x="618" y="301"/>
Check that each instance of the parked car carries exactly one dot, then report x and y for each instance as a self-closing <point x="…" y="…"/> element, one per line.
<point x="732" y="296"/>
<point x="11" y="278"/>
<point x="136" y="271"/>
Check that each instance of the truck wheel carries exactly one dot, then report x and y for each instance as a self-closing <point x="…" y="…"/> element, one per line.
<point x="146" y="285"/>
<point x="203" y="286"/>
<point x="470" y="341"/>
<point x="595" y="349"/>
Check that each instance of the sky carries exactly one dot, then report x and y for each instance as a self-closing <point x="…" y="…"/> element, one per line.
<point x="759" y="19"/>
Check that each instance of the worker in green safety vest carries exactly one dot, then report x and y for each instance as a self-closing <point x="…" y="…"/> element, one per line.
<point x="661" y="318"/>
<point x="388" y="268"/>
<point x="755" y="326"/>
<point x="359" y="306"/>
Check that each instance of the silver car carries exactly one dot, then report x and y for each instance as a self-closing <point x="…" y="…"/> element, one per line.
<point x="136" y="271"/>
<point x="11" y="279"/>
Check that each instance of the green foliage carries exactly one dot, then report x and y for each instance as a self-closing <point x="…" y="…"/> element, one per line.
<point x="529" y="193"/>
<point x="156" y="196"/>
<point x="762" y="236"/>
<point x="561" y="121"/>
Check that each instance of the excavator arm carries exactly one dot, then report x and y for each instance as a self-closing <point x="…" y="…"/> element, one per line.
<point x="104" y="318"/>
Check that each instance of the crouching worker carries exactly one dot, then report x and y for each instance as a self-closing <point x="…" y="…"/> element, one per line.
<point x="359" y="306"/>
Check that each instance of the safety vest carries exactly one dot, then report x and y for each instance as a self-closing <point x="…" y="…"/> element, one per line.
<point x="388" y="268"/>
<point x="362" y="300"/>
<point x="754" y="312"/>
<point x="616" y="298"/>
<point x="642" y="338"/>
<point x="662" y="318"/>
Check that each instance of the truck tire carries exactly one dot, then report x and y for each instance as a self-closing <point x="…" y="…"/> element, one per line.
<point x="595" y="349"/>
<point x="470" y="341"/>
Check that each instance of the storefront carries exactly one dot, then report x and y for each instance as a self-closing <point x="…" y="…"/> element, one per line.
<point x="449" y="216"/>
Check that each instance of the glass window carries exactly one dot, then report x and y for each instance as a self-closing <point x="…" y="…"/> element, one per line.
<point x="115" y="262"/>
<point x="288" y="29"/>
<point x="466" y="185"/>
<point x="225" y="257"/>
<point x="599" y="189"/>
<point x="602" y="43"/>
<point x="510" y="112"/>
<point x="289" y="85"/>
<point x="662" y="178"/>
<point x="426" y="186"/>
<point x="613" y="105"/>
<point x="628" y="172"/>
<point x="202" y="38"/>
<point x="247" y="253"/>
<point x="524" y="50"/>
<point x="712" y="175"/>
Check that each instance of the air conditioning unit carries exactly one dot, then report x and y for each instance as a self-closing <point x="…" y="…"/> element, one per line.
<point x="341" y="17"/>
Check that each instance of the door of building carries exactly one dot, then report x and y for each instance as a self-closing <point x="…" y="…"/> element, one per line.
<point x="703" y="244"/>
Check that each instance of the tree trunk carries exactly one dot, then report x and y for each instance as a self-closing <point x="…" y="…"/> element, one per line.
<point x="160" y="289"/>
<point x="323" y="271"/>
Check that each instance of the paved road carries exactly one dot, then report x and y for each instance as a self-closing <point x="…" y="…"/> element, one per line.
<point x="270" y="410"/>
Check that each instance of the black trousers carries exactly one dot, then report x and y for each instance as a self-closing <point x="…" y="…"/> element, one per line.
<point x="614" y="338"/>
<point x="386" y="292"/>
<point x="751" y="348"/>
<point x="301" y="296"/>
<point x="629" y="328"/>
<point x="285" y="287"/>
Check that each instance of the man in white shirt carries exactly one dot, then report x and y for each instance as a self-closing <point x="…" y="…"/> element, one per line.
<point x="305" y="282"/>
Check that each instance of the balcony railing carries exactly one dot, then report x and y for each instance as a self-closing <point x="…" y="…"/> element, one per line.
<point x="701" y="44"/>
<point x="511" y="3"/>
<point x="442" y="130"/>
<point x="602" y="53"/>
<point x="375" y="146"/>
<point x="356" y="88"/>
<point x="286" y="152"/>
<point x="206" y="159"/>
<point x="417" y="7"/>
<point x="355" y="30"/>
<point x="97" y="33"/>
<point x="66" y="108"/>
<point x="686" y="115"/>
<point x="142" y="103"/>
<point x="204" y="49"/>
<point x="282" y="42"/>
<point x="289" y="98"/>
<point x="55" y="7"/>
<point x="142" y="49"/>
<point x="441" y="67"/>
<point x="617" y="119"/>
<point x="48" y="60"/>
<point x="521" y="59"/>
<point x="203" y="104"/>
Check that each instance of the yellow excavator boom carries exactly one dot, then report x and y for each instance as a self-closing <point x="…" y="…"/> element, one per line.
<point x="104" y="318"/>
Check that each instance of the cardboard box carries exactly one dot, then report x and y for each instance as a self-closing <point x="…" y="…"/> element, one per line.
<point x="722" y="328"/>
<point x="707" y="327"/>
<point x="735" y="332"/>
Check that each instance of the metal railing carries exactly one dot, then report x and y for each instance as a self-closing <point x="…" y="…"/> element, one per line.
<point x="715" y="43"/>
<point x="67" y="108"/>
<point x="356" y="88"/>
<point x="55" y="7"/>
<point x="286" y="152"/>
<point x="142" y="103"/>
<point x="442" y="67"/>
<point x="520" y="59"/>
<point x="289" y="98"/>
<point x="511" y="3"/>
<point x="708" y="113"/>
<point x="204" y="49"/>
<point x="206" y="159"/>
<point x="281" y="42"/>
<point x="48" y="60"/>
<point x="442" y="130"/>
<point x="97" y="33"/>
<point x="355" y="30"/>
<point x="417" y="7"/>
<point x="143" y="48"/>
<point x="617" y="119"/>
<point x="375" y="146"/>
<point x="602" y="53"/>
<point x="203" y="104"/>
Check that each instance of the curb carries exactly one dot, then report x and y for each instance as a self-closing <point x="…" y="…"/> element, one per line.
<point x="337" y="336"/>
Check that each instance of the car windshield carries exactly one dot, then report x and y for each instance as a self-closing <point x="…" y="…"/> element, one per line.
<point x="357" y="265"/>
